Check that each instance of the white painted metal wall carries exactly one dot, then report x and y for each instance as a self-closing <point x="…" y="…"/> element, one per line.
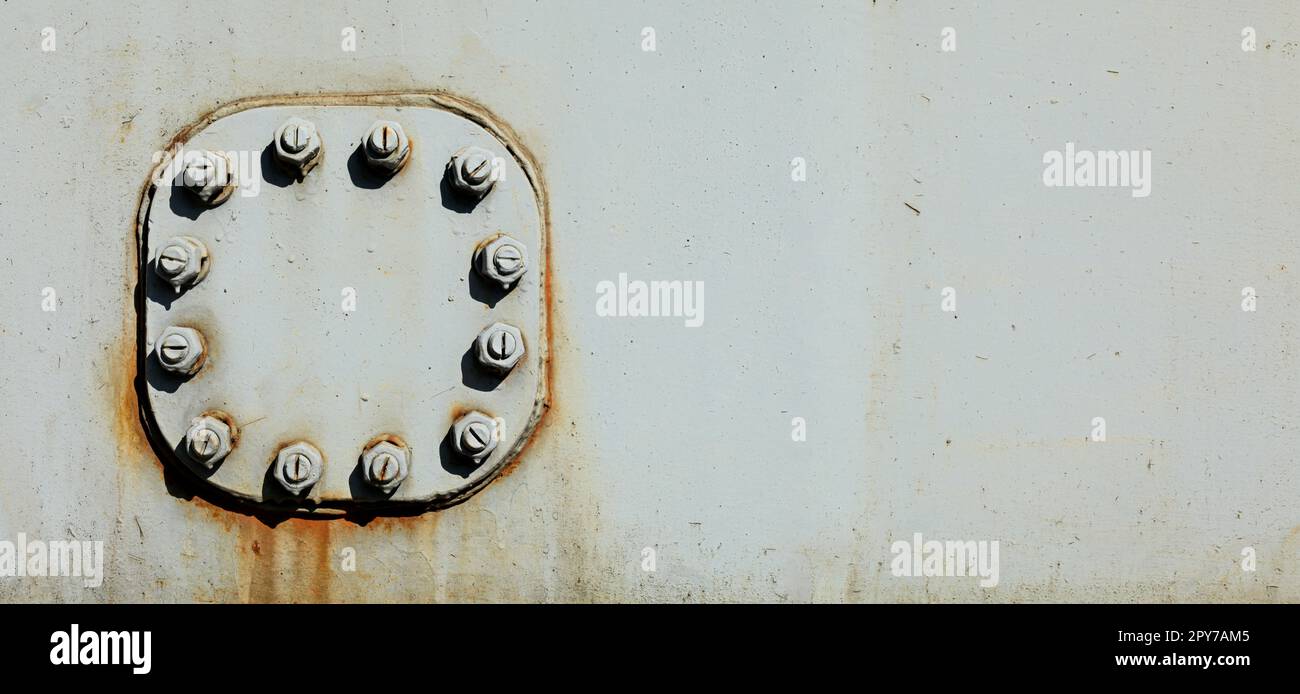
<point x="822" y="298"/>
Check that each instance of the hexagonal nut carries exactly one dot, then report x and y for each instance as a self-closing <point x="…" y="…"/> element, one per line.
<point x="208" y="440"/>
<point x="298" y="146"/>
<point x="386" y="151"/>
<point x="385" y="465"/>
<point x="499" y="347"/>
<point x="471" y="172"/>
<point x="209" y="176"/>
<point x="501" y="259"/>
<point x="475" y="435"/>
<point x="182" y="261"/>
<point x="180" y="350"/>
<point x="298" y="466"/>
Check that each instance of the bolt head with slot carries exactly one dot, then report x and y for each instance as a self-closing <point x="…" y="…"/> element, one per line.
<point x="385" y="465"/>
<point x="297" y="467"/>
<point x="208" y="440"/>
<point x="298" y="146"/>
<point x="501" y="259"/>
<point x="471" y="172"/>
<point x="475" y="435"/>
<point x="209" y="176"/>
<point x="386" y="147"/>
<point x="499" y="347"/>
<point x="180" y="350"/>
<point x="182" y="262"/>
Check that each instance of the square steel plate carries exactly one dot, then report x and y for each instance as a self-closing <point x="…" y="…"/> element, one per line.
<point x="287" y="362"/>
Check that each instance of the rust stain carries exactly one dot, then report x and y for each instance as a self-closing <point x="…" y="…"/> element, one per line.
<point x="386" y="438"/>
<point x="546" y="402"/>
<point x="280" y="559"/>
<point x="458" y="410"/>
<point x="509" y="468"/>
<point x="289" y="563"/>
<point x="424" y="523"/>
<point x="229" y="421"/>
<point x="125" y="405"/>
<point x="541" y="430"/>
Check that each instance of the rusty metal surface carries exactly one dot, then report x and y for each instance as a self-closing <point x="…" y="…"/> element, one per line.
<point x="823" y="299"/>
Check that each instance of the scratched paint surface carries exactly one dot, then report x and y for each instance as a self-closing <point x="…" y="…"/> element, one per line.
<point x="822" y="299"/>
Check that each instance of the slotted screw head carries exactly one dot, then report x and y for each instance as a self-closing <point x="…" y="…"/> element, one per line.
<point x="174" y="349"/>
<point x="204" y="443"/>
<point x="475" y="435"/>
<point x="386" y="147"/>
<point x="172" y="260"/>
<point x="501" y="259"/>
<point x="298" y="146"/>
<point x="296" y="136"/>
<point x="508" y="259"/>
<point x="298" y="466"/>
<point x="501" y="344"/>
<point x="470" y="171"/>
<point x="499" y="347"/>
<point x="182" y="261"/>
<point x="383" y="140"/>
<point x="180" y="350"/>
<point x="476" y="166"/>
<point x="208" y="440"/>
<point x="210" y="176"/>
<point x="384" y="467"/>
<point x="385" y="464"/>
